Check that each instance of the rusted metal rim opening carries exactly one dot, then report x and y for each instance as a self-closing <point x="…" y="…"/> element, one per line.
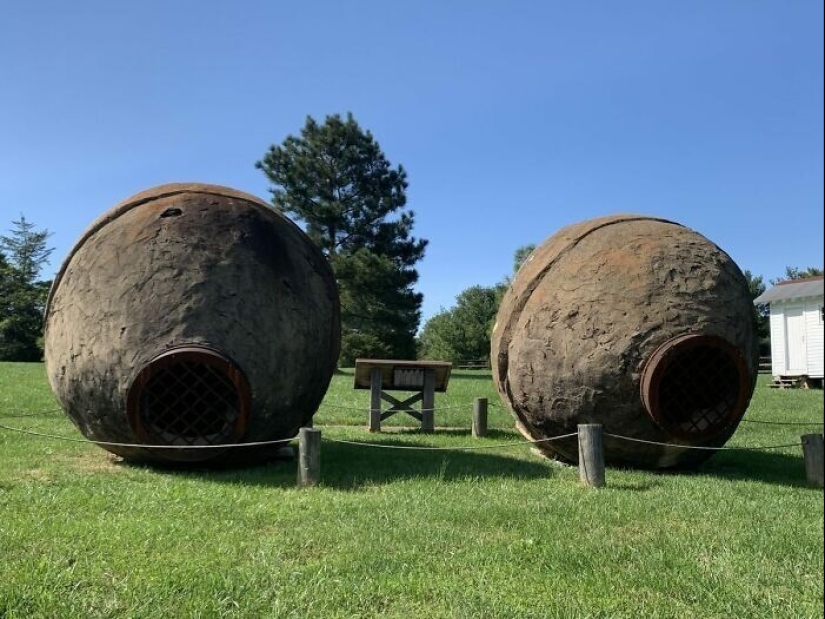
<point x="189" y="396"/>
<point x="695" y="386"/>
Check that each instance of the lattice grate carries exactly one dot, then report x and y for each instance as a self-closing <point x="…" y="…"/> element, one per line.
<point x="189" y="403"/>
<point x="699" y="391"/>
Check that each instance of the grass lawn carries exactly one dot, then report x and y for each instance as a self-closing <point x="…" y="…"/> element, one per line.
<point x="412" y="534"/>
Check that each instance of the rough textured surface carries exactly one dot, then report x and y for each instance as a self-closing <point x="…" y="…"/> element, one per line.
<point x="192" y="265"/>
<point x="586" y="311"/>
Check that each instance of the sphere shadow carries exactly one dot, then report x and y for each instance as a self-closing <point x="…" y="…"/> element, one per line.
<point x="760" y="466"/>
<point x="354" y="467"/>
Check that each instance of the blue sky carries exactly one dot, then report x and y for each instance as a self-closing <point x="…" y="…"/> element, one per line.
<point x="512" y="119"/>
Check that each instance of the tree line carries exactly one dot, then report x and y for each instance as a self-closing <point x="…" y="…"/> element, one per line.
<point x="334" y="178"/>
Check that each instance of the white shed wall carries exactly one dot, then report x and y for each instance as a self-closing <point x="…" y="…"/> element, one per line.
<point x="815" y="338"/>
<point x="777" y="320"/>
<point x="796" y="362"/>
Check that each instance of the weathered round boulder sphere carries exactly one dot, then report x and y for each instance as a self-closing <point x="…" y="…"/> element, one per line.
<point x="635" y="323"/>
<point x="192" y="316"/>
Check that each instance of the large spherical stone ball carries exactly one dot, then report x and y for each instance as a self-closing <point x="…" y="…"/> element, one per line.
<point x="636" y="323"/>
<point x="192" y="316"/>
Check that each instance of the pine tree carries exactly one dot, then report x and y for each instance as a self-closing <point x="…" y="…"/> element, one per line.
<point x="336" y="180"/>
<point x="22" y="297"/>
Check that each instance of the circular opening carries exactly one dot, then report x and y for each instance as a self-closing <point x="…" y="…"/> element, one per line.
<point x="189" y="396"/>
<point x="695" y="386"/>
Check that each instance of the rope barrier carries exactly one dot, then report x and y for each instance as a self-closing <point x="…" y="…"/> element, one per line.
<point x="380" y="446"/>
<point x="20" y="415"/>
<point x="646" y="442"/>
<point x="785" y="423"/>
<point x="263" y="443"/>
<point x="459" y="448"/>
<point x="143" y="445"/>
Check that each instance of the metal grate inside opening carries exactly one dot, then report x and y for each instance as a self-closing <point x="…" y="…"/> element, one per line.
<point x="695" y="386"/>
<point x="189" y="404"/>
<point x="699" y="390"/>
<point x="189" y="397"/>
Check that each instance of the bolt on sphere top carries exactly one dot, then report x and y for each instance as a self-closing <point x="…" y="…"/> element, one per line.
<point x="192" y="315"/>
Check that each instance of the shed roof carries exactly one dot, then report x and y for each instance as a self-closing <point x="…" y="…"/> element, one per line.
<point x="793" y="289"/>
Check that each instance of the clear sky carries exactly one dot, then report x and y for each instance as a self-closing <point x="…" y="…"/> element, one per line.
<point x="512" y="118"/>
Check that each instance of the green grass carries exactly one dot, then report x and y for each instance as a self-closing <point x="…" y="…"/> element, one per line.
<point x="498" y="533"/>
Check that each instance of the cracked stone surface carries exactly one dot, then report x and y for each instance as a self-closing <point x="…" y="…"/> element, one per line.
<point x="191" y="264"/>
<point x="588" y="308"/>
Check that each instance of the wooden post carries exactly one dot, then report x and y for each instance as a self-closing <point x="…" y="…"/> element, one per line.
<point x="812" y="448"/>
<point x="479" y="417"/>
<point x="591" y="455"/>
<point x="428" y="403"/>
<point x="309" y="457"/>
<point x="375" y="400"/>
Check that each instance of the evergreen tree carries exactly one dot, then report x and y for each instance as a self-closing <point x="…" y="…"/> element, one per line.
<point x="521" y="255"/>
<point x="335" y="178"/>
<point x="22" y="297"/>
<point x="26" y="249"/>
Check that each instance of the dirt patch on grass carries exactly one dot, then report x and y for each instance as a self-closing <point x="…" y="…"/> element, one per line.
<point x="38" y="474"/>
<point x="93" y="462"/>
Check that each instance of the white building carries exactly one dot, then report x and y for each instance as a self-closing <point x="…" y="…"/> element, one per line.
<point x="796" y="308"/>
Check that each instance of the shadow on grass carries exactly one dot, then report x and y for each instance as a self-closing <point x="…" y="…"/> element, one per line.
<point x="761" y="466"/>
<point x="352" y="467"/>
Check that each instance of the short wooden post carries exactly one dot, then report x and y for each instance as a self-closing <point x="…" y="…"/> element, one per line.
<point x="375" y="400"/>
<point x="591" y="455"/>
<point x="309" y="457"/>
<point x="479" y="417"/>
<point x="812" y="449"/>
<point x="428" y="403"/>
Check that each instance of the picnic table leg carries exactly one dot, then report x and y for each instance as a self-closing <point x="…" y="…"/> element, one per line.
<point x="375" y="400"/>
<point x="428" y="403"/>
